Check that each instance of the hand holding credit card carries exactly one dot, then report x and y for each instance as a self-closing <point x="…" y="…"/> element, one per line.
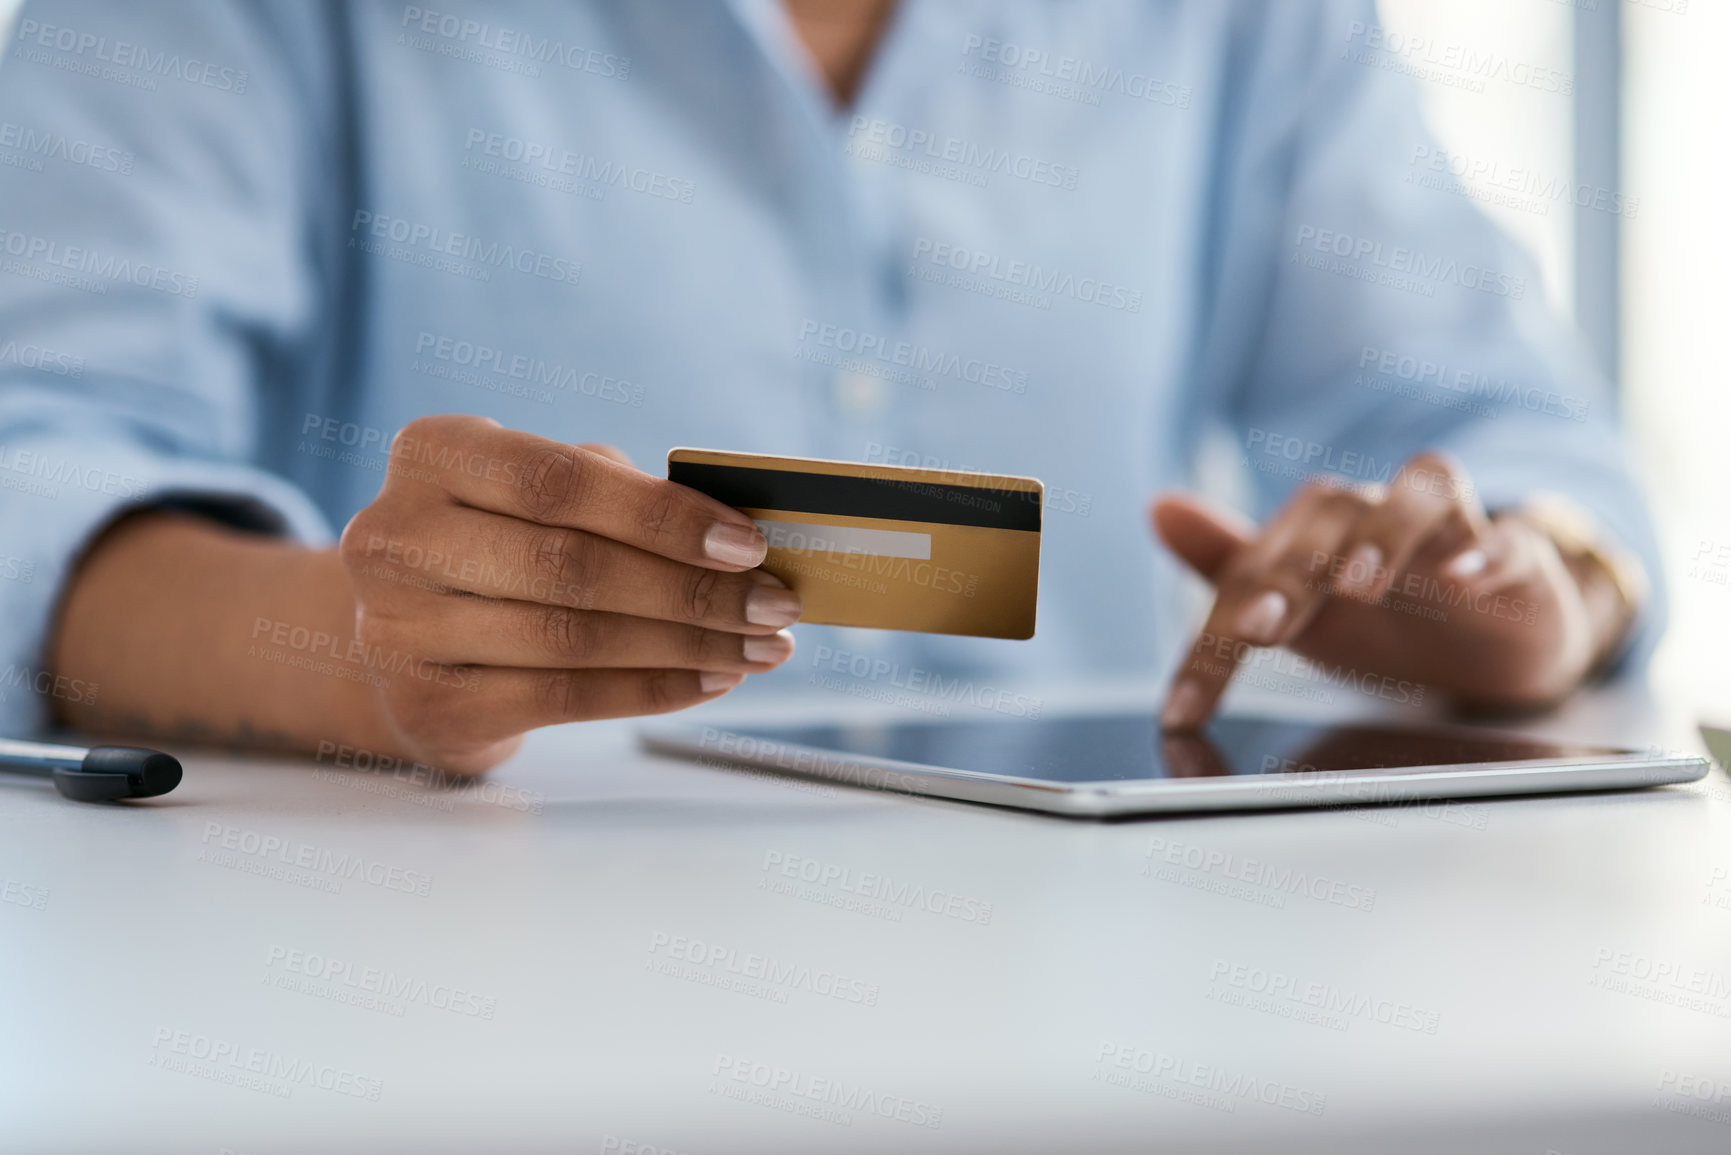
<point x="886" y="546"/>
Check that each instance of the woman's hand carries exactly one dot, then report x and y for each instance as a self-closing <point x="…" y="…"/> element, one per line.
<point x="553" y="583"/>
<point x="499" y="582"/>
<point x="1412" y="582"/>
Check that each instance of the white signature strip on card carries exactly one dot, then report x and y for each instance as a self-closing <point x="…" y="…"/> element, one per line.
<point x="846" y="539"/>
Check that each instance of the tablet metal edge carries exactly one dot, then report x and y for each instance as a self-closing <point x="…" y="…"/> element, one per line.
<point x="1108" y="798"/>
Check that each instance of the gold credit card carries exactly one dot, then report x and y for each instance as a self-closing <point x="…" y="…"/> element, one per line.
<point x="884" y="546"/>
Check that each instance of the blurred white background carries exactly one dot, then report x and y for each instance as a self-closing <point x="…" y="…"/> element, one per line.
<point x="1673" y="294"/>
<point x="1677" y="309"/>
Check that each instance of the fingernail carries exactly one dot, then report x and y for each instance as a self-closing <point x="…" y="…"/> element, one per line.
<point x="774" y="648"/>
<point x="712" y="681"/>
<point x="1261" y="619"/>
<point x="734" y="544"/>
<point x="771" y="606"/>
<point x="1467" y="563"/>
<point x="1363" y="566"/>
<point x="1185" y="708"/>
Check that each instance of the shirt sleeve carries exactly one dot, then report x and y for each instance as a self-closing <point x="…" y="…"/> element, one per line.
<point x="1361" y="314"/>
<point x="154" y="273"/>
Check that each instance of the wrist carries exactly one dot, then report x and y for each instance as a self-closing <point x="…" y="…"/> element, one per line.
<point x="202" y="633"/>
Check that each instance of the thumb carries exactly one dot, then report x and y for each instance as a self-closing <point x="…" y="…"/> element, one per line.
<point x="1203" y="536"/>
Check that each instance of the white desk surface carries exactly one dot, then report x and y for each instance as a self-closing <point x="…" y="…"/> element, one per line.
<point x="1526" y="975"/>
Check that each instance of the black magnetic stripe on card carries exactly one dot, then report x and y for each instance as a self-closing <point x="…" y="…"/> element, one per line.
<point x="841" y="496"/>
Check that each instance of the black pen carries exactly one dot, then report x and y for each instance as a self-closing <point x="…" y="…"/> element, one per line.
<point x="99" y="774"/>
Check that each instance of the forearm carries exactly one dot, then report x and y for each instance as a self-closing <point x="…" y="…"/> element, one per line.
<point x="182" y="625"/>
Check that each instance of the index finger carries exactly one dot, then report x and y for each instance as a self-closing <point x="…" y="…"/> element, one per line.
<point x="1214" y="658"/>
<point x="1261" y="598"/>
<point x="486" y="466"/>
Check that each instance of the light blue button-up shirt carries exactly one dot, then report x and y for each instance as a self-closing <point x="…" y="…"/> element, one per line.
<point x="241" y="244"/>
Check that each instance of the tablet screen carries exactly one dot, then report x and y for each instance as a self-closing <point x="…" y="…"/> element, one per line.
<point x="1132" y="746"/>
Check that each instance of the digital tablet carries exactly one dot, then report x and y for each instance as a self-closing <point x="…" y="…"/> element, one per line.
<point x="1114" y="764"/>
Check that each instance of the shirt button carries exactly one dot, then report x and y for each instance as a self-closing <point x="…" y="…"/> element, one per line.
<point x="860" y="395"/>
